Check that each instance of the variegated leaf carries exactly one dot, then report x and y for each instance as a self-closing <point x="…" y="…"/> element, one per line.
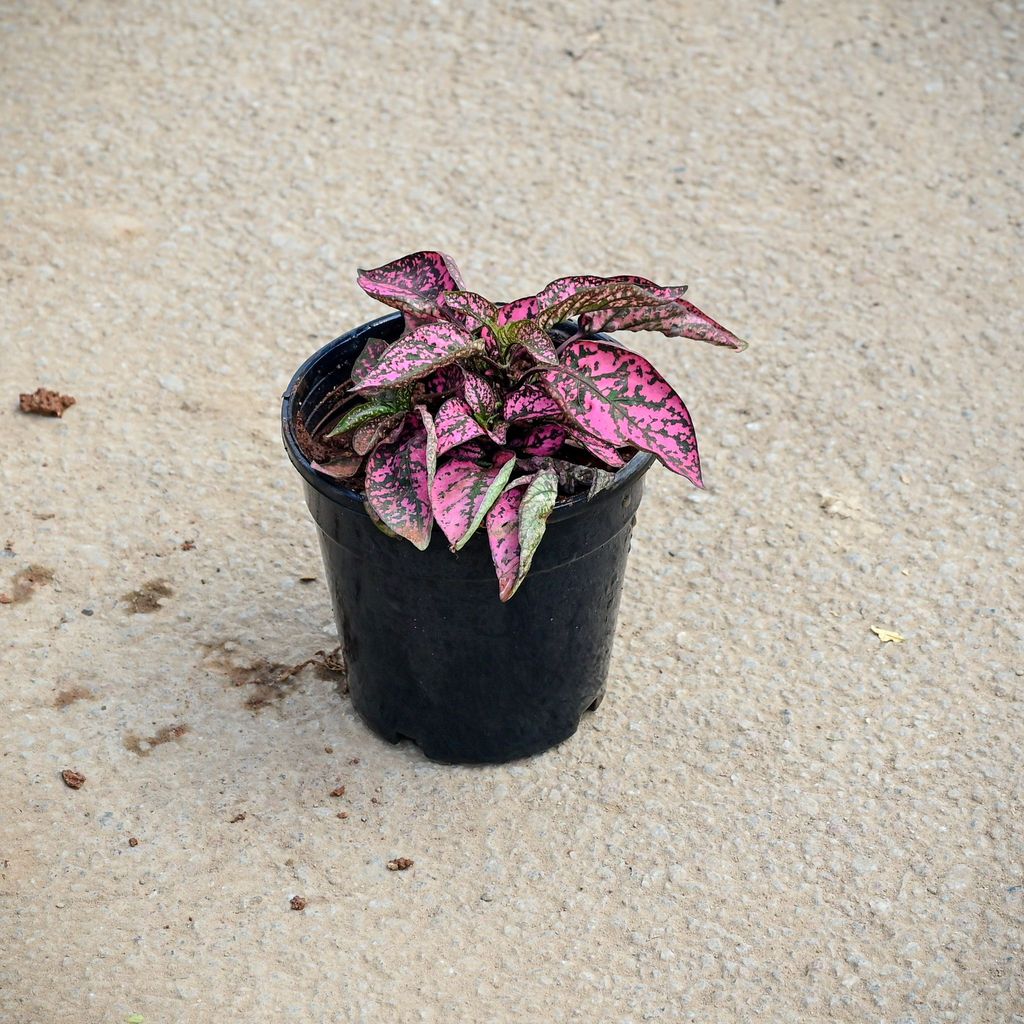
<point x="543" y="439"/>
<point x="367" y="358"/>
<point x="455" y="425"/>
<point x="531" y="337"/>
<point x="470" y="310"/>
<point x="617" y="396"/>
<point x="515" y="526"/>
<point x="379" y="407"/>
<point x="563" y="288"/>
<point x="673" y="317"/>
<point x="413" y="283"/>
<point x="419" y="353"/>
<point x="366" y="438"/>
<point x="464" y="491"/>
<point x="530" y="403"/>
<point x="599" y="448"/>
<point x="339" y="469"/>
<point x="398" y="483"/>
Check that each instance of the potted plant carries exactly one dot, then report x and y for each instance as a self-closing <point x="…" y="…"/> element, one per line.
<point x="523" y="435"/>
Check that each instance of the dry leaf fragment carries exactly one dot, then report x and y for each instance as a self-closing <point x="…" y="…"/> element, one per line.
<point x="888" y="636"/>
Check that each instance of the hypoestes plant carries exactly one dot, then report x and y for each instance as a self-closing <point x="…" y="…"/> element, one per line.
<point x="484" y="414"/>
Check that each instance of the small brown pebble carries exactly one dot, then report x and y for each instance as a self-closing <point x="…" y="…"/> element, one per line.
<point x="237" y="818"/>
<point x="72" y="779"/>
<point x="307" y="579"/>
<point x="6" y="599"/>
<point x="353" y="760"/>
<point x="188" y="545"/>
<point x="297" y="903"/>
<point x="133" y="841"/>
<point x="338" y="791"/>
<point x="374" y="800"/>
<point x="44" y="402"/>
<point x="328" y="750"/>
<point x="342" y="814"/>
<point x="400" y="864"/>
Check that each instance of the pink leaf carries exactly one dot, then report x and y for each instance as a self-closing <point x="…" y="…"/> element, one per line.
<point x="464" y="491"/>
<point x="470" y="310"/>
<point x="413" y="283"/>
<point x="597" y="447"/>
<point x="543" y="439"/>
<point x="515" y="526"/>
<point x="398" y="484"/>
<point x="368" y="356"/>
<point x="619" y="397"/>
<point x="673" y="317"/>
<point x="563" y="288"/>
<point x="417" y="354"/>
<point x="441" y="382"/>
<point x="534" y="339"/>
<point x="480" y="394"/>
<point x="455" y="425"/>
<point x="530" y="403"/>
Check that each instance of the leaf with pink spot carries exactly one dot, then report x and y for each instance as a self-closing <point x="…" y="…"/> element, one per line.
<point x="534" y="339"/>
<point x="470" y="310"/>
<point x="464" y="490"/>
<point x="543" y="439"/>
<point x="369" y="436"/>
<point x="413" y="283"/>
<point x="414" y="355"/>
<point x="563" y="288"/>
<point x="600" y="449"/>
<point x="618" y="396"/>
<point x="515" y="526"/>
<point x="368" y="357"/>
<point x="673" y="317"/>
<point x="455" y="425"/>
<point x="530" y="403"/>
<point x="398" y="479"/>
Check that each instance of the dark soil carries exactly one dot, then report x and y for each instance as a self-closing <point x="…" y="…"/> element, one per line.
<point x="43" y="402"/>
<point x="314" y="450"/>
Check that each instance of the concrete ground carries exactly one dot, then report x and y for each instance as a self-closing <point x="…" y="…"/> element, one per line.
<point x="774" y="816"/>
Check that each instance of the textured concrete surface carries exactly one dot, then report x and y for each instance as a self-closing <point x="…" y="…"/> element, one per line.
<point x="774" y="816"/>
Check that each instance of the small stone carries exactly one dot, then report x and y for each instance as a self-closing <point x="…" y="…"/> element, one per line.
<point x="72" y="779"/>
<point x="338" y="791"/>
<point x="297" y="903"/>
<point x="133" y="842"/>
<point x="400" y="864"/>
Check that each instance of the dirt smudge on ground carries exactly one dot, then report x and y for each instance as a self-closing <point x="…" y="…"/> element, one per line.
<point x="145" y="745"/>
<point x="268" y="682"/>
<point x="70" y="695"/>
<point x="148" y="597"/>
<point x="26" y="583"/>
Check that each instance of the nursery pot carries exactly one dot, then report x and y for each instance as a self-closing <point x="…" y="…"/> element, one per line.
<point x="433" y="655"/>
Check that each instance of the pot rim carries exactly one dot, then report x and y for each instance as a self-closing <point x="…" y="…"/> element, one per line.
<point x="565" y="508"/>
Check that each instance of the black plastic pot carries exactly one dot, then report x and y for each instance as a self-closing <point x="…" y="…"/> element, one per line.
<point x="433" y="655"/>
